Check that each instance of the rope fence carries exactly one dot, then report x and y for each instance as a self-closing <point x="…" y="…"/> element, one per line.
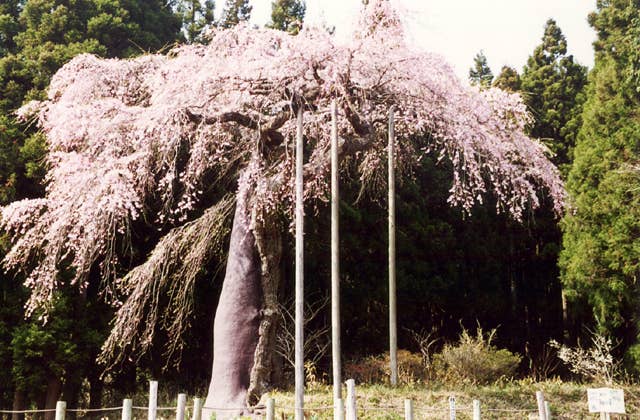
<point x="342" y="410"/>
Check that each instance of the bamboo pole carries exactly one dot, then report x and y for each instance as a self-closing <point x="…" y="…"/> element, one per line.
<point x="299" y="277"/>
<point x="393" y="322"/>
<point x="335" y="258"/>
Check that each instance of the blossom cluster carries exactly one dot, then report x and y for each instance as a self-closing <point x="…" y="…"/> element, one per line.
<point x="149" y="136"/>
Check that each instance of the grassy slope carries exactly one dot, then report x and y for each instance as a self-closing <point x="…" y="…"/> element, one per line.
<point x="567" y="401"/>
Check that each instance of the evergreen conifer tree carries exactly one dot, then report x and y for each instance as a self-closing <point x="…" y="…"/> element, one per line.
<point x="234" y="12"/>
<point x="287" y="15"/>
<point x="508" y="79"/>
<point x="600" y="260"/>
<point x="480" y="74"/>
<point x="552" y="87"/>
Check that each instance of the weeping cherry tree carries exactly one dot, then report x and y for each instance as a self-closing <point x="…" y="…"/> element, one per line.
<point x="151" y="142"/>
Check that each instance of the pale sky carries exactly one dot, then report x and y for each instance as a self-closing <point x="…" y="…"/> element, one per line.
<point x="506" y="30"/>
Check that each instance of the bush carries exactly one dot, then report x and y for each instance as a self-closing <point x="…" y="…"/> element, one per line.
<point x="474" y="360"/>
<point x="375" y="369"/>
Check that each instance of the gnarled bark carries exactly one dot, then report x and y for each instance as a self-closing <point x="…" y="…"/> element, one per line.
<point x="245" y="319"/>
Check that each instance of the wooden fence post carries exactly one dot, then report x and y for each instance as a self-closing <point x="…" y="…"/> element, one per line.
<point x="61" y="410"/>
<point x="271" y="409"/>
<point x="540" y="400"/>
<point x="408" y="410"/>
<point x="182" y="403"/>
<point x="452" y="408"/>
<point x="351" y="400"/>
<point x="197" y="409"/>
<point x="547" y="410"/>
<point x="338" y="409"/>
<point x="127" y="409"/>
<point x="153" y="400"/>
<point x="476" y="409"/>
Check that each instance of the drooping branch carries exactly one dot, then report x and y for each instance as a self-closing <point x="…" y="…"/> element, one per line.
<point x="171" y="270"/>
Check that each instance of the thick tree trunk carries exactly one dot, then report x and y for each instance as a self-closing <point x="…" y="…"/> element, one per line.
<point x="244" y="325"/>
<point x="54" y="389"/>
<point x="19" y="404"/>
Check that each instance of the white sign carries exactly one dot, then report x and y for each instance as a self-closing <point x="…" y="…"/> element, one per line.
<point x="606" y="400"/>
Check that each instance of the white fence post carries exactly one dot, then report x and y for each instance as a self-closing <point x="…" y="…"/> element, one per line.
<point x="271" y="409"/>
<point x="61" y="410"/>
<point x="547" y="410"/>
<point x="476" y="409"/>
<point x="127" y="409"/>
<point x="153" y="400"/>
<point x="351" y="400"/>
<point x="408" y="410"/>
<point x="540" y="400"/>
<point x="452" y="408"/>
<point x="338" y="409"/>
<point x="182" y="403"/>
<point x="197" y="409"/>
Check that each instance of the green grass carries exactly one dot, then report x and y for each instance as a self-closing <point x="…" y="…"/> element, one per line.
<point x="567" y="400"/>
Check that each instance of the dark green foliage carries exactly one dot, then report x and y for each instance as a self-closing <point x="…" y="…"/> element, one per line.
<point x="287" y="15"/>
<point x="508" y="80"/>
<point x="9" y="12"/>
<point x="234" y="12"/>
<point x="480" y="74"/>
<point x="37" y="37"/>
<point x="600" y="261"/>
<point x="552" y="86"/>
<point x="196" y="18"/>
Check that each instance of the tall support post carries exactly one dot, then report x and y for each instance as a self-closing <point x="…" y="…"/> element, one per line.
<point x="299" y="281"/>
<point x="335" y="259"/>
<point x="393" y="321"/>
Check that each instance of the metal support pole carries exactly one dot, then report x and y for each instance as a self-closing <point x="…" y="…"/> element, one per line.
<point x="335" y="258"/>
<point x="393" y="322"/>
<point x="299" y="277"/>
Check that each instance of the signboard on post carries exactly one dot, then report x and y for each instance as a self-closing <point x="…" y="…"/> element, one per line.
<point x="606" y="400"/>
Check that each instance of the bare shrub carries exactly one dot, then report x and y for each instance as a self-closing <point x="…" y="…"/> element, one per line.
<point x="376" y="369"/>
<point x="316" y="339"/>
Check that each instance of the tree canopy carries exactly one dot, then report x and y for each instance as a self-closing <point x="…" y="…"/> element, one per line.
<point x="128" y="149"/>
<point x="552" y="85"/>
<point x="599" y="261"/>
<point x="480" y="74"/>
